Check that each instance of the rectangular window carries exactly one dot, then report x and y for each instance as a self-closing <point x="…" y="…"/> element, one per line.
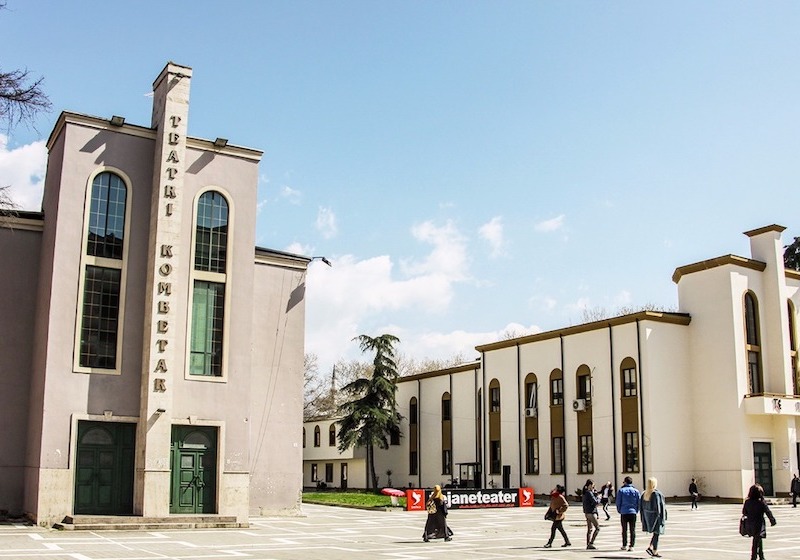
<point x="446" y="461"/>
<point x="445" y="410"/>
<point x="532" y="456"/>
<point x="314" y="473"/>
<point x="558" y="455"/>
<point x="208" y="310"/>
<point x="412" y="463"/>
<point x="629" y="382"/>
<point x="556" y="391"/>
<point x="329" y="472"/>
<point x="394" y="437"/>
<point x="587" y="460"/>
<point x="100" y="322"/>
<point x="631" y="452"/>
<point x="754" y="370"/>
<point x="494" y="399"/>
<point x="494" y="457"/>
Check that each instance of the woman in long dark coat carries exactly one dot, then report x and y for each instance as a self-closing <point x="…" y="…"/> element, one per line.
<point x="755" y="508"/>
<point x="436" y="525"/>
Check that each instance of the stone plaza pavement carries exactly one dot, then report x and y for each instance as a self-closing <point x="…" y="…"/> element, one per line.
<point x="709" y="533"/>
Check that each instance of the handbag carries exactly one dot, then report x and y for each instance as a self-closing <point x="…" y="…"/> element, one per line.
<point x="431" y="507"/>
<point x="743" y="526"/>
<point x="550" y="514"/>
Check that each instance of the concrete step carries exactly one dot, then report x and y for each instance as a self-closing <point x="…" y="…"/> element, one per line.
<point x="137" y="523"/>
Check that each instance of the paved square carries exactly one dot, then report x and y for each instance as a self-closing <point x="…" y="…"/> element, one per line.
<point x="709" y="533"/>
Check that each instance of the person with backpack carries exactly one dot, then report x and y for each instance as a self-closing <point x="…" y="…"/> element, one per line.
<point x="754" y="510"/>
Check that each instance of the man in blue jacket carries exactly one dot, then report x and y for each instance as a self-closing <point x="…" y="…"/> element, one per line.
<point x="628" y="508"/>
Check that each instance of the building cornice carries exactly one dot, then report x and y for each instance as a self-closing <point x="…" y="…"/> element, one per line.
<point x="657" y="316"/>
<point x="144" y="132"/>
<point x="793" y="274"/>
<point x="22" y="223"/>
<point x="439" y="372"/>
<point x="758" y="231"/>
<point x="717" y="262"/>
<point x="272" y="257"/>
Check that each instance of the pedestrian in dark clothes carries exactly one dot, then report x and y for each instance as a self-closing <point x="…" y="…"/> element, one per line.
<point x="436" y="524"/>
<point x="755" y="508"/>
<point x="693" y="493"/>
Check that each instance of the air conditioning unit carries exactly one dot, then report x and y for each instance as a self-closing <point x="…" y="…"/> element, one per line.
<point x="579" y="405"/>
<point x="530" y="412"/>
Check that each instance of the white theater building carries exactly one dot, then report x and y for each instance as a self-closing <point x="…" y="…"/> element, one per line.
<point x="709" y="392"/>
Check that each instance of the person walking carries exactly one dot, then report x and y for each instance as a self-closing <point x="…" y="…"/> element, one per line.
<point x="628" y="508"/>
<point x="606" y="495"/>
<point x="436" y="524"/>
<point x="794" y="489"/>
<point x="590" y="501"/>
<point x="755" y="508"/>
<point x="559" y="505"/>
<point x="653" y="512"/>
<point x="693" y="493"/>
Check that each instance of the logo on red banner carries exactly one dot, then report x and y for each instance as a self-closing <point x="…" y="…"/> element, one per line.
<point x="473" y="498"/>
<point x="415" y="499"/>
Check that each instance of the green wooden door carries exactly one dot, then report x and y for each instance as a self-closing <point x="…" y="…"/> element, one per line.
<point x="194" y="469"/>
<point x="104" y="468"/>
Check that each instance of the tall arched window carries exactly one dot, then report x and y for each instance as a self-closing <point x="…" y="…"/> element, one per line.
<point x="495" y="439"/>
<point x="413" y="437"/>
<point x="629" y="413"/>
<point x="557" y="446"/>
<point x="316" y="436"/>
<point x="332" y="436"/>
<point x="753" y="344"/>
<point x="531" y="407"/>
<point x="209" y="279"/>
<point x="103" y="265"/>
<point x="447" y="435"/>
<point x="793" y="348"/>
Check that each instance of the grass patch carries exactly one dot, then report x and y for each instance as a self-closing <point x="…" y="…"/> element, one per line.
<point x="351" y="499"/>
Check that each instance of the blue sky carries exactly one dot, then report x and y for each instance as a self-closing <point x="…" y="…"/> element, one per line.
<point x="468" y="167"/>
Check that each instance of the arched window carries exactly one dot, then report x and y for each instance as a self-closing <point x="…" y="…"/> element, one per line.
<point x="209" y="279"/>
<point x="531" y="407"/>
<point x="316" y="436"/>
<point x="793" y="348"/>
<point x="332" y="436"/>
<point x="447" y="435"/>
<point x="304" y="438"/>
<point x="413" y="437"/>
<point x="494" y="396"/>
<point x="629" y="412"/>
<point x="103" y="265"/>
<point x="556" y="388"/>
<point x="753" y="344"/>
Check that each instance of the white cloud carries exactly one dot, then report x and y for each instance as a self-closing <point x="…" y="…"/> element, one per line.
<point x="326" y="222"/>
<point x="359" y="296"/>
<point x="292" y="196"/>
<point x="260" y="205"/>
<point x="449" y="255"/>
<point x="492" y="231"/>
<point x="545" y="303"/>
<point x="23" y="169"/>
<point x="553" y="224"/>
<point x="623" y="298"/>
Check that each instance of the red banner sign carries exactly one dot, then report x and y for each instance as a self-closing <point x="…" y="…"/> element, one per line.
<point x="462" y="498"/>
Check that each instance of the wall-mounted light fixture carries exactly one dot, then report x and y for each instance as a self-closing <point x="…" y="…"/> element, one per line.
<point x="220" y="142"/>
<point x="160" y="411"/>
<point x="116" y="120"/>
<point x="323" y="259"/>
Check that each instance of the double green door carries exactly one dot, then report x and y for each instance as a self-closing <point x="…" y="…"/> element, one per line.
<point x="194" y="469"/>
<point x="104" y="468"/>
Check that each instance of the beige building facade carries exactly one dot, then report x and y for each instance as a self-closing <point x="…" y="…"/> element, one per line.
<point x="155" y="353"/>
<point x="710" y="391"/>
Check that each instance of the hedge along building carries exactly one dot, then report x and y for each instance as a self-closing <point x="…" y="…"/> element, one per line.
<point x="709" y="392"/>
<point x="155" y="354"/>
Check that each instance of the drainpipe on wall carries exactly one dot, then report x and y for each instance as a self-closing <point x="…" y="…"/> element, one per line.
<point x="613" y="405"/>
<point x="563" y="413"/>
<point x="520" y="419"/>
<point x="419" y="433"/>
<point x="641" y="395"/>
<point x="484" y="418"/>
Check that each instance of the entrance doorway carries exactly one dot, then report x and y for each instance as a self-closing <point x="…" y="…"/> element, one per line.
<point x="194" y="469"/>
<point x="104" y="461"/>
<point x="762" y="466"/>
